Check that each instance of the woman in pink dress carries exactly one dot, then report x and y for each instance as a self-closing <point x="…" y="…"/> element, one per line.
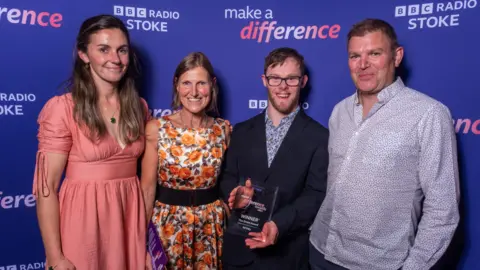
<point x="95" y="133"/>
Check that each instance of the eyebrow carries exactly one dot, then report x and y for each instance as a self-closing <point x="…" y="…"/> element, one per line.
<point x="289" y="75"/>
<point x="106" y="45"/>
<point x="375" y="49"/>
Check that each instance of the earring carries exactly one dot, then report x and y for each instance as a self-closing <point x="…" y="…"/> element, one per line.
<point x="87" y="65"/>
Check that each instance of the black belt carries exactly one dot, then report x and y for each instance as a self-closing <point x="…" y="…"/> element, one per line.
<point x="193" y="197"/>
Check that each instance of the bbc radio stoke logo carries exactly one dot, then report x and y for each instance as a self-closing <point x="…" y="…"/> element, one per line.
<point x="263" y="27"/>
<point x="28" y="266"/>
<point x="434" y="15"/>
<point x="31" y="17"/>
<point x="9" y="267"/>
<point x="12" y="104"/>
<point x="262" y="104"/>
<point x="143" y="19"/>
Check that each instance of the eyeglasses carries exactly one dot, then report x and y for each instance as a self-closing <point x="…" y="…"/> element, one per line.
<point x="290" y="81"/>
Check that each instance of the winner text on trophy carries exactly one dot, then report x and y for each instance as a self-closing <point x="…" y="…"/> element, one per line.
<point x="252" y="207"/>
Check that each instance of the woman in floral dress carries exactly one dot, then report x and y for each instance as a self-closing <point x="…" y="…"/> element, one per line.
<point x="181" y="164"/>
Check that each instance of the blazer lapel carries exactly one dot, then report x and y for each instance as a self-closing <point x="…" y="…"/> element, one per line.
<point x="288" y="142"/>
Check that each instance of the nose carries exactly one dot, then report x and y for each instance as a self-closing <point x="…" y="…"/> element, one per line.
<point x="283" y="84"/>
<point x="194" y="90"/>
<point x="364" y="63"/>
<point x="114" y="58"/>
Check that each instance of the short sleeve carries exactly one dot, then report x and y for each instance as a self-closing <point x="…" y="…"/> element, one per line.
<point x="54" y="134"/>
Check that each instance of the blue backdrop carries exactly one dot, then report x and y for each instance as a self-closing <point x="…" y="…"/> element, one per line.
<point x="37" y="39"/>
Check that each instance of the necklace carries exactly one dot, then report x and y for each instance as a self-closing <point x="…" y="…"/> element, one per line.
<point x="112" y="119"/>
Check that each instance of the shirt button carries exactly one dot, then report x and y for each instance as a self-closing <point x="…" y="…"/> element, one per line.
<point x="356" y="133"/>
<point x="348" y="157"/>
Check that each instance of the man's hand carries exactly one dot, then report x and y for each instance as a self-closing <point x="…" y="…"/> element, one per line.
<point x="246" y="193"/>
<point x="267" y="237"/>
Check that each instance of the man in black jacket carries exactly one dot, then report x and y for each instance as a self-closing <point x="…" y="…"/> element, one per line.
<point x="281" y="147"/>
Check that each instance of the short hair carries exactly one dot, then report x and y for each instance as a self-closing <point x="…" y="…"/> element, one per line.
<point x="192" y="61"/>
<point x="367" y="26"/>
<point x="278" y="57"/>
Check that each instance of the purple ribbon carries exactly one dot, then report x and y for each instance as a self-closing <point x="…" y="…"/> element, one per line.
<point x="155" y="248"/>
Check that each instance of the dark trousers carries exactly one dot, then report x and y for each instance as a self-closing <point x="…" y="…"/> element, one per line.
<point x="318" y="262"/>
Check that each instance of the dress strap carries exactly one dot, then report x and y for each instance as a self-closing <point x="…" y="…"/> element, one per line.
<point x="41" y="174"/>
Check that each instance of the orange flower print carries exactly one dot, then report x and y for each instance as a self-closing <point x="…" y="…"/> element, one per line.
<point x="168" y="230"/>
<point x="162" y="154"/>
<point x="199" y="247"/>
<point x="171" y="132"/>
<point x="208" y="171"/>
<point x="212" y="137"/>
<point x="207" y="258"/>
<point x="188" y="139"/>
<point x="184" y="173"/>
<point x="188" y="252"/>
<point x="163" y="175"/>
<point x="176" y="150"/>
<point x="192" y="236"/>
<point x="174" y="169"/>
<point x="207" y="229"/>
<point x="194" y="156"/>
<point x="177" y="248"/>
<point x="217" y="152"/>
<point x="201" y="141"/>
<point x="201" y="266"/>
<point x="179" y="238"/>
<point x="190" y="217"/>
<point x="180" y="263"/>
<point x="217" y="130"/>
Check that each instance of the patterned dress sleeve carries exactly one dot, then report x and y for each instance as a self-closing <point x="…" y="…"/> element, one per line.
<point x="227" y="131"/>
<point x="54" y="136"/>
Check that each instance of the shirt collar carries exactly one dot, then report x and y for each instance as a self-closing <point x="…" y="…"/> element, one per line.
<point x="387" y="93"/>
<point x="287" y="118"/>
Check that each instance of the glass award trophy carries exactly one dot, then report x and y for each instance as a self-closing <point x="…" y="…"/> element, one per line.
<point x="155" y="248"/>
<point x="252" y="207"/>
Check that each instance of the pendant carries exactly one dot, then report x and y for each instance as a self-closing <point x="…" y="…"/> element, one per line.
<point x="113" y="120"/>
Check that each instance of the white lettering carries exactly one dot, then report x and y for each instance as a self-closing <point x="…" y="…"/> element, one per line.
<point x="17" y="201"/>
<point x="246" y="13"/>
<point x="147" y="25"/>
<point x="254" y="219"/>
<point x="159" y="14"/>
<point x="305" y="106"/>
<point x="434" y="22"/>
<point x="17" y="97"/>
<point x="456" y="5"/>
<point x="37" y="265"/>
<point x="11" y="110"/>
<point x="160" y="112"/>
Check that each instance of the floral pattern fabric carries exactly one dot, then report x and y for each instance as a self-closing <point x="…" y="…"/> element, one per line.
<point x="190" y="159"/>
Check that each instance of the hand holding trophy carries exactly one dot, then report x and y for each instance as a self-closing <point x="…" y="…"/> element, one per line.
<point x="252" y="206"/>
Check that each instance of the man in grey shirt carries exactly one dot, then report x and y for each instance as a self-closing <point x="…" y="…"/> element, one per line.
<point x="392" y="194"/>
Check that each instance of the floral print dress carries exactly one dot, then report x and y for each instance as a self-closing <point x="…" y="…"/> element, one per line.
<point x="190" y="159"/>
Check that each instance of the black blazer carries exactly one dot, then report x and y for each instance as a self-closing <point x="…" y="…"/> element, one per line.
<point x="299" y="169"/>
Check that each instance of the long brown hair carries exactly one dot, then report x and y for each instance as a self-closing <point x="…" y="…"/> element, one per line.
<point x="84" y="93"/>
<point x="191" y="61"/>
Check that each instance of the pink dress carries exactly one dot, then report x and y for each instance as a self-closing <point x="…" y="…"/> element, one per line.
<point x="102" y="213"/>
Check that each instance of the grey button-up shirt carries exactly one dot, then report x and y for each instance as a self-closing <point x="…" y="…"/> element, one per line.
<point x="392" y="194"/>
<point x="276" y="134"/>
